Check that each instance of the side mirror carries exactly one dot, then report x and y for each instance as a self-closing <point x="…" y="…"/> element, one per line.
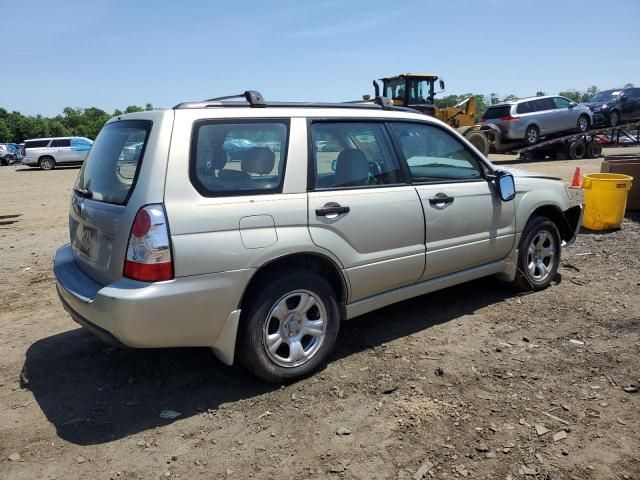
<point x="334" y="164"/>
<point x="505" y="185"/>
<point x="441" y="84"/>
<point x="572" y="104"/>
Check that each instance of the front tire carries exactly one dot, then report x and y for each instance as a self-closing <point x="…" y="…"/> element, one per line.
<point x="538" y="255"/>
<point x="288" y="327"/>
<point x="531" y="135"/>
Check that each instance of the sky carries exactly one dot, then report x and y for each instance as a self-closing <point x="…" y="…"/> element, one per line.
<point x="113" y="53"/>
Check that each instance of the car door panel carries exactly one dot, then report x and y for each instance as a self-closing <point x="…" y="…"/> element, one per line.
<point x="376" y="224"/>
<point x="380" y="241"/>
<point x="476" y="228"/>
<point x="467" y="225"/>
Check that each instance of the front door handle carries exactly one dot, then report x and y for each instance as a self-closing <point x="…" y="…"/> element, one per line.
<point x="441" y="199"/>
<point x="331" y="210"/>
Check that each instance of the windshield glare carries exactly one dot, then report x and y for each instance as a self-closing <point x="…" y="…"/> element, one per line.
<point x="606" y="96"/>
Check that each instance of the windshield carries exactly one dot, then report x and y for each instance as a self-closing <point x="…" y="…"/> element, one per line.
<point x="111" y="168"/>
<point x="606" y="96"/>
<point x="394" y="89"/>
<point x="420" y="91"/>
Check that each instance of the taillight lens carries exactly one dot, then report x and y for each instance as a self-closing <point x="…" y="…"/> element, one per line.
<point x="509" y="118"/>
<point x="149" y="251"/>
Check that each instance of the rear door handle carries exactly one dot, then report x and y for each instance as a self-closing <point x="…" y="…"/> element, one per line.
<point x="441" y="198"/>
<point x="331" y="210"/>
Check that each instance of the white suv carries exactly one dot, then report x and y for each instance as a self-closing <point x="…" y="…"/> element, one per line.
<point x="46" y="153"/>
<point x="256" y="228"/>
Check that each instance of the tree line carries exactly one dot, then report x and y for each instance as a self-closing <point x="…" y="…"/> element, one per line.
<point x="81" y="122"/>
<point x="87" y="122"/>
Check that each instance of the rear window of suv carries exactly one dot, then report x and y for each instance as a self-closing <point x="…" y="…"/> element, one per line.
<point x="493" y="113"/>
<point x="110" y="171"/>
<point x="36" y="144"/>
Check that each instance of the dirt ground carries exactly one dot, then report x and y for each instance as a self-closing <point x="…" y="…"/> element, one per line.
<point x="475" y="381"/>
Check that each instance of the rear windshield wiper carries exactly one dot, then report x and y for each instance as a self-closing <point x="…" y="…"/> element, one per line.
<point x="83" y="192"/>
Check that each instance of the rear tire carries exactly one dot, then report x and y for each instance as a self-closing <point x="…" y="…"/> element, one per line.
<point x="272" y="343"/>
<point x="531" y="135"/>
<point x="478" y="140"/>
<point x="594" y="149"/>
<point x="583" y="123"/>
<point x="538" y="254"/>
<point x="47" y="163"/>
<point x="576" y="150"/>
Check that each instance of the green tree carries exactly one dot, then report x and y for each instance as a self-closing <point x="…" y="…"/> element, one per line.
<point x="628" y="85"/>
<point x="148" y="107"/>
<point x="5" y="132"/>
<point x="133" y="109"/>
<point x="572" y="94"/>
<point x="540" y="93"/>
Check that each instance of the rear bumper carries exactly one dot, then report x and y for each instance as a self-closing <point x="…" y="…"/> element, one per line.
<point x="187" y="311"/>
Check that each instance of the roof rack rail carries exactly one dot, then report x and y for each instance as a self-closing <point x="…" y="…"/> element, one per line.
<point x="254" y="98"/>
<point x="384" y="102"/>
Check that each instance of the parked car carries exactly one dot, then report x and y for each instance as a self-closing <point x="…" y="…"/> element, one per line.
<point x="262" y="261"/>
<point x="7" y="154"/>
<point x="46" y="153"/>
<point x="530" y="119"/>
<point x="613" y="107"/>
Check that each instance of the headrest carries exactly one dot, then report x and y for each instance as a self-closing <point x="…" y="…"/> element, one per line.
<point x="258" y="160"/>
<point x="212" y="157"/>
<point x="352" y="168"/>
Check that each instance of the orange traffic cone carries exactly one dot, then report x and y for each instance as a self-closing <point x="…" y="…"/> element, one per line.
<point x="577" y="179"/>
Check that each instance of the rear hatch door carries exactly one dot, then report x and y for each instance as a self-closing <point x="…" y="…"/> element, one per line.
<point x="100" y="216"/>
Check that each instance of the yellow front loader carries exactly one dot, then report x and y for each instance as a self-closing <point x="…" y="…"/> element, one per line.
<point x="417" y="91"/>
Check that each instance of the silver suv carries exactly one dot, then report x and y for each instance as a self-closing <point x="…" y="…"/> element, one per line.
<point x="255" y="228"/>
<point x="529" y="119"/>
<point x="46" y="153"/>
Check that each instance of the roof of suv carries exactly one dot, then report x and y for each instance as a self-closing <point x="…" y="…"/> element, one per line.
<point x="526" y="99"/>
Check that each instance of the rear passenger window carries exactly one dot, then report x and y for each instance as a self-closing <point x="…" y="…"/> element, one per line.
<point x="238" y="158"/>
<point x="61" y="142"/>
<point x="36" y="144"/>
<point x="544" y="104"/>
<point x="433" y="155"/>
<point x="524" y="107"/>
<point x="353" y="155"/>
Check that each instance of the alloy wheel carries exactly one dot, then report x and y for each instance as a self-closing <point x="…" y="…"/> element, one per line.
<point x="295" y="328"/>
<point x="541" y="255"/>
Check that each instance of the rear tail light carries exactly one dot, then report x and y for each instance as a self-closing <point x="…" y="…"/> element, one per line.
<point x="509" y="118"/>
<point x="149" y="252"/>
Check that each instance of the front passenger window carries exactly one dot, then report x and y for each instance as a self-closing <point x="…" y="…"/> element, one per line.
<point x="434" y="155"/>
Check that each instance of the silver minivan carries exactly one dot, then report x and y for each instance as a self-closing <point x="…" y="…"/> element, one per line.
<point x="529" y="119"/>
<point x="256" y="228"/>
<point x="46" y="153"/>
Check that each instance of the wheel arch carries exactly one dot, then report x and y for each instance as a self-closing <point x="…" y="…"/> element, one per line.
<point x="557" y="216"/>
<point x="312" y="261"/>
